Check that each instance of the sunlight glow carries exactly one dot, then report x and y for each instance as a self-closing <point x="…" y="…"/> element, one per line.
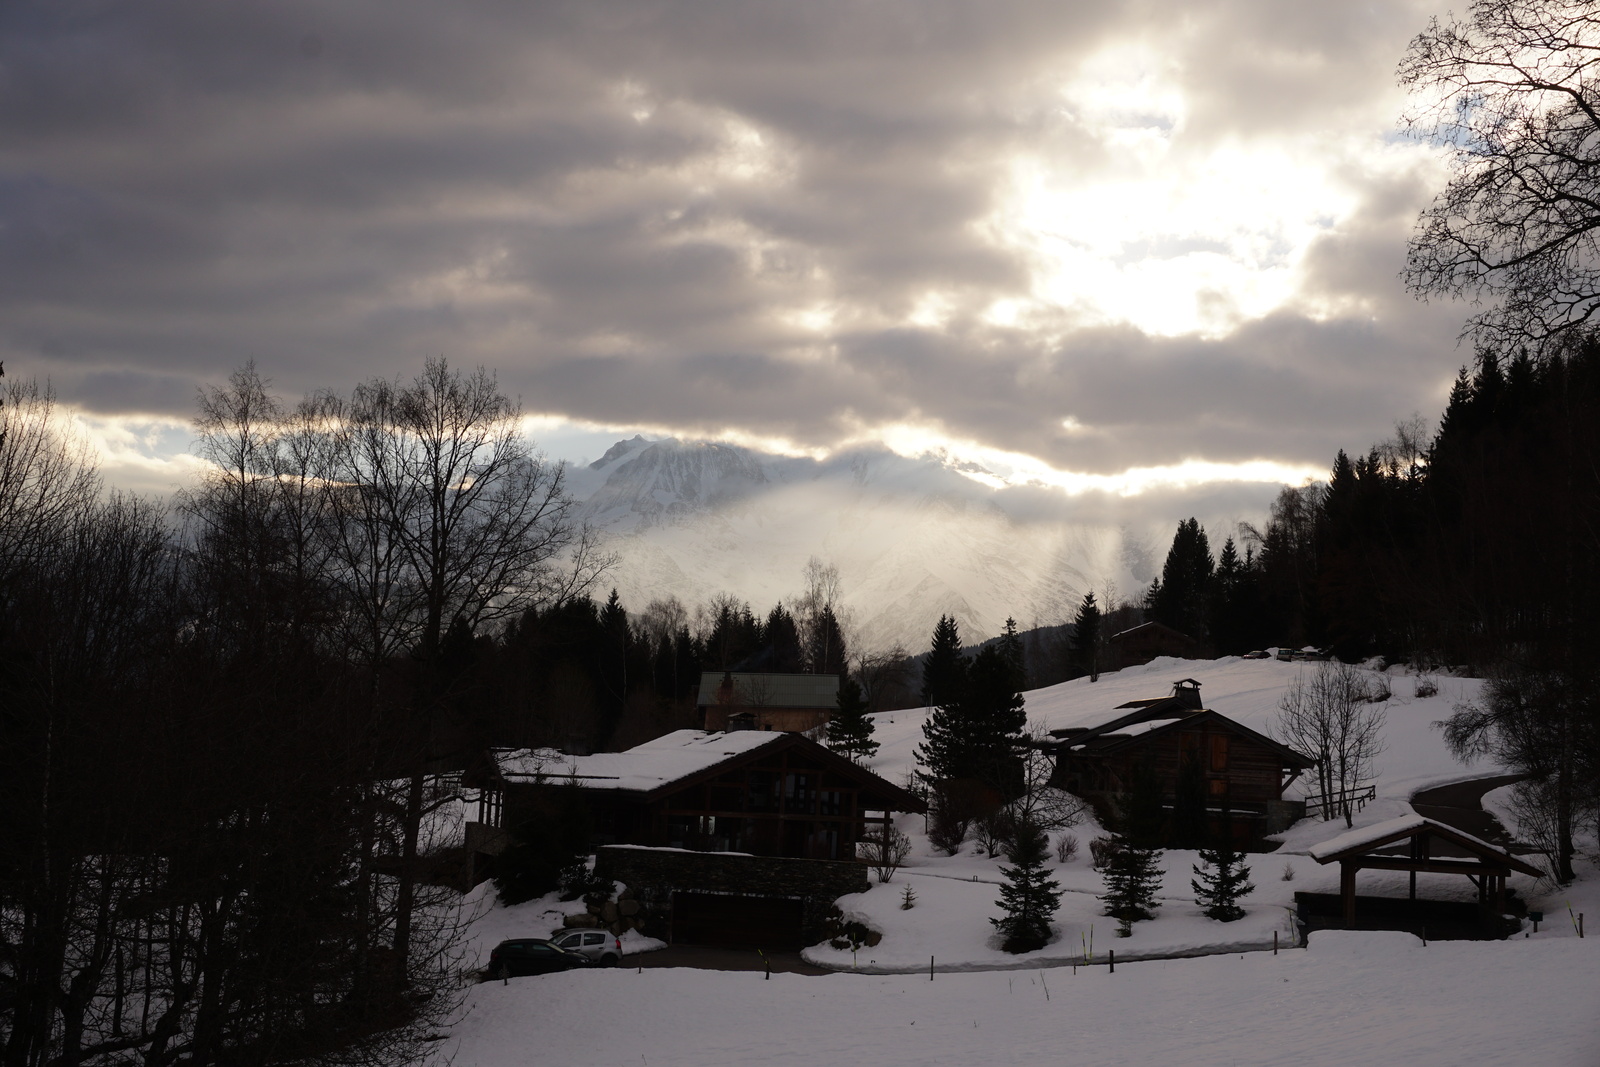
<point x="1171" y="238"/>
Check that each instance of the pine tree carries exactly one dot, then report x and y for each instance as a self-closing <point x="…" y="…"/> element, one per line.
<point x="1012" y="652"/>
<point x="1133" y="872"/>
<point x="850" y="729"/>
<point x="944" y="673"/>
<point x="1086" y="639"/>
<point x="975" y="736"/>
<point x="1223" y="880"/>
<point x="828" y="654"/>
<point x="1132" y="877"/>
<point x="782" y="640"/>
<point x="1180" y="598"/>
<point x="1029" y="896"/>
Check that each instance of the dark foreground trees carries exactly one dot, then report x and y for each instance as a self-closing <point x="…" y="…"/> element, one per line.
<point x="215" y="821"/>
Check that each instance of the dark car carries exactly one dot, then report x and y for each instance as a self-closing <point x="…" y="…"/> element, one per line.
<point x="532" y="955"/>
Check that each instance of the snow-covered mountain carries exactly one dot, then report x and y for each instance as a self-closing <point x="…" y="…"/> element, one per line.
<point x="913" y="538"/>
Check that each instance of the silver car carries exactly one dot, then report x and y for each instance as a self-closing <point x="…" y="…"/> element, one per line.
<point x="599" y="945"/>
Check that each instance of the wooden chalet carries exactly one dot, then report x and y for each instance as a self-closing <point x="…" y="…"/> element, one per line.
<point x="1415" y="843"/>
<point x="1143" y="643"/>
<point x="748" y="701"/>
<point x="762" y="793"/>
<point x="1245" y="773"/>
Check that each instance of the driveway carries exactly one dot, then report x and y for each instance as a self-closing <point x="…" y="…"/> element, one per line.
<point x="1461" y="805"/>
<point x="715" y="958"/>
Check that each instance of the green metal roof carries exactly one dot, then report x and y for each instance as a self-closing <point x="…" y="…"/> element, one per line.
<point x="772" y="690"/>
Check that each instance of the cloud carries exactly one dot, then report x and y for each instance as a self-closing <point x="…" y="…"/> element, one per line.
<point x="1102" y="237"/>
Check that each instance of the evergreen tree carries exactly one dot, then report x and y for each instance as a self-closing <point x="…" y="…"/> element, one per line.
<point x="1133" y="871"/>
<point x="1181" y="598"/>
<point x="828" y="652"/>
<point x="975" y="736"/>
<point x="782" y="640"/>
<point x="1222" y="881"/>
<point x="1029" y="896"/>
<point x="944" y="672"/>
<point x="1132" y="878"/>
<point x="1012" y="652"/>
<point x="1086" y="639"/>
<point x="850" y="730"/>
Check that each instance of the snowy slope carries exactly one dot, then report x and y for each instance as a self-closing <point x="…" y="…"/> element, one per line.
<point x="1245" y="690"/>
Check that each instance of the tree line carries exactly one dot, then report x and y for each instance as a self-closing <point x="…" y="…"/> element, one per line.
<point x="221" y="723"/>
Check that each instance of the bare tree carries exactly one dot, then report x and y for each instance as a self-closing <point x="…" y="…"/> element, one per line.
<point x="1333" y="717"/>
<point x="885" y="849"/>
<point x="47" y="473"/>
<point x="1511" y="91"/>
<point x="1046" y="806"/>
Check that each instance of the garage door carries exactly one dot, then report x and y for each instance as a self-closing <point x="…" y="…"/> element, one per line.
<point x="771" y="923"/>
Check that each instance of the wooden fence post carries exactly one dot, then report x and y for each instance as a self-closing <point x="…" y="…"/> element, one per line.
<point x="1113" y="957"/>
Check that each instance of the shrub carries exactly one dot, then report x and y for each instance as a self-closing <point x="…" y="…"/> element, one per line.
<point x="1067" y="848"/>
<point x="1101" y="851"/>
<point x="1425" y="686"/>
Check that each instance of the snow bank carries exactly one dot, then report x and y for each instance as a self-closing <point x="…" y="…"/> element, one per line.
<point x="1350" y="998"/>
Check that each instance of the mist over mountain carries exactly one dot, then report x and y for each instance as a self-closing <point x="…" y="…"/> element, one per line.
<point x="913" y="537"/>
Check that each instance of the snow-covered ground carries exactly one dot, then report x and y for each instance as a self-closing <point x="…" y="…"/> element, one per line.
<point x="1346" y="998"/>
<point x="1350" y="998"/>
<point x="956" y="895"/>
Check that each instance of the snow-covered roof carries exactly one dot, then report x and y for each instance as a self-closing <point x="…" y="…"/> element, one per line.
<point x="1393" y="829"/>
<point x="642" y="768"/>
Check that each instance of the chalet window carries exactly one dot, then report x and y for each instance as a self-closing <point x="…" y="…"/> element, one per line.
<point x="833" y="802"/>
<point x="763" y="792"/>
<point x="799" y="793"/>
<point x="1219" y="752"/>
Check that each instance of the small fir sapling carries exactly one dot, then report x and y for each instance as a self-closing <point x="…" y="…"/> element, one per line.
<point x="1132" y="877"/>
<point x="1067" y="848"/>
<point x="1222" y="880"/>
<point x="1132" y="868"/>
<point x="1029" y="897"/>
<point x="1288" y="872"/>
<point x="908" y="899"/>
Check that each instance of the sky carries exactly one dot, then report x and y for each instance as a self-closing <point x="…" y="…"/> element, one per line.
<point x="1093" y="248"/>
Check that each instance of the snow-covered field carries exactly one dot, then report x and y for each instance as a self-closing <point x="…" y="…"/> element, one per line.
<point x="1346" y="998"/>
<point x="1350" y="998"/>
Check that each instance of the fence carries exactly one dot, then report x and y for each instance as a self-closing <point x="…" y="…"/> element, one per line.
<point x="1327" y="805"/>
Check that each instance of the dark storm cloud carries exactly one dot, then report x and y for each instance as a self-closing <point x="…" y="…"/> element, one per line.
<point x="626" y="209"/>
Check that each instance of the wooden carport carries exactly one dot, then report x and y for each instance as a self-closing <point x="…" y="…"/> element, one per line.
<point x="1415" y="843"/>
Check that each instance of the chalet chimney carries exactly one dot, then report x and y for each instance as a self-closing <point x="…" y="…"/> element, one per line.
<point x="1187" y="693"/>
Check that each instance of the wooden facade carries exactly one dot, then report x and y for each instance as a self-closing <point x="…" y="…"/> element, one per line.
<point x="1244" y="772"/>
<point x="1143" y="643"/>
<point x="787" y="797"/>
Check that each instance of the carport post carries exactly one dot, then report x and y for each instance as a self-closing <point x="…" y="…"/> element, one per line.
<point x="1347" y="889"/>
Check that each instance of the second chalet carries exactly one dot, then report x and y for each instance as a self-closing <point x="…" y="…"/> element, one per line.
<point x="1245" y="773"/>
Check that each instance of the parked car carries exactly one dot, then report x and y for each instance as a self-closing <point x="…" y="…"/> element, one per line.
<point x="1258" y="654"/>
<point x="532" y="955"/>
<point x="599" y="945"/>
<point x="1285" y="655"/>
